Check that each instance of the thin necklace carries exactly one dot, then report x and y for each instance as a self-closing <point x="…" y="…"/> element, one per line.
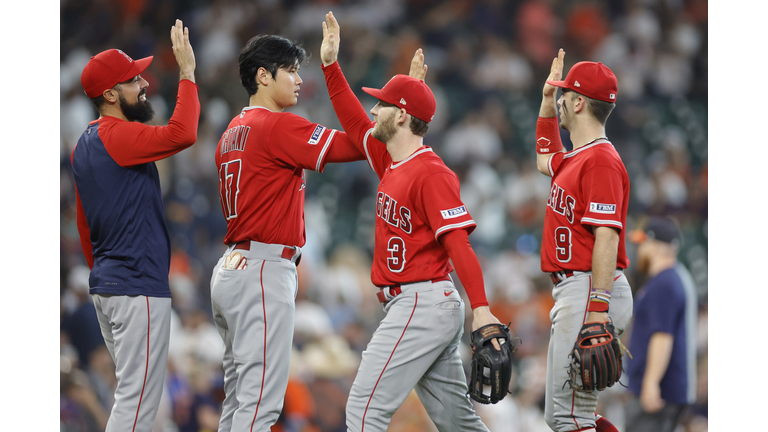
<point x="596" y="139"/>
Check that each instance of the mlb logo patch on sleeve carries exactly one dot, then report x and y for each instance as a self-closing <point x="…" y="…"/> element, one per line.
<point x="454" y="212"/>
<point x="315" y="138"/>
<point x="602" y="208"/>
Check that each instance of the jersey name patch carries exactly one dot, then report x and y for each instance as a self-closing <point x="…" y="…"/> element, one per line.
<point x="602" y="208"/>
<point x="454" y="212"/>
<point x="316" y="135"/>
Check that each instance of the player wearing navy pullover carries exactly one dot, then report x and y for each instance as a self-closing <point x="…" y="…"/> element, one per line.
<point x="121" y="220"/>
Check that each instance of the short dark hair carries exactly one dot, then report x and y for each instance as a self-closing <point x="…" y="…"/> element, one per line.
<point x="418" y="126"/>
<point x="270" y="52"/>
<point x="99" y="102"/>
<point x="600" y="110"/>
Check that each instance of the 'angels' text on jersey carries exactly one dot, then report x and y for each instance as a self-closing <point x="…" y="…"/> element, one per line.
<point x="388" y="209"/>
<point x="560" y="202"/>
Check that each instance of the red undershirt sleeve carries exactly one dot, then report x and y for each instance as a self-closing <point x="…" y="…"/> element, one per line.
<point x="344" y="150"/>
<point x="354" y="119"/>
<point x="456" y="243"/>
<point x="134" y="143"/>
<point x="82" y="227"/>
<point x="350" y="111"/>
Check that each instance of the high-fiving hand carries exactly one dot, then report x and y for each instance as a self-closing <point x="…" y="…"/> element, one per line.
<point x="555" y="74"/>
<point x="182" y="50"/>
<point x="329" y="50"/>
<point x="418" y="68"/>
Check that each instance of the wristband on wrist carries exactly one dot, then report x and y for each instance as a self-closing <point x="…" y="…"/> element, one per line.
<point x="548" y="136"/>
<point x="599" y="300"/>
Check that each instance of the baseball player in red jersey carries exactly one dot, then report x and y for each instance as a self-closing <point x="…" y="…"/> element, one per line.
<point x="121" y="220"/>
<point x="583" y="242"/>
<point x="261" y="159"/>
<point x="421" y="222"/>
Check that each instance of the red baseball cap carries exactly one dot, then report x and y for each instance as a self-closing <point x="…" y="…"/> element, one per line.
<point x="411" y="94"/>
<point x="591" y="79"/>
<point x="108" y="68"/>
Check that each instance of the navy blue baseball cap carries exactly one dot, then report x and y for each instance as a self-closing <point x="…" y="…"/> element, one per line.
<point x="662" y="229"/>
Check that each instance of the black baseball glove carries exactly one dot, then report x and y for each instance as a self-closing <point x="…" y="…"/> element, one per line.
<point x="497" y="363"/>
<point x="595" y="367"/>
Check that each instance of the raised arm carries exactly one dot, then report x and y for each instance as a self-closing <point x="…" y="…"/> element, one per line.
<point x="547" y="131"/>
<point x="352" y="116"/>
<point x="183" y="52"/>
<point x="133" y="143"/>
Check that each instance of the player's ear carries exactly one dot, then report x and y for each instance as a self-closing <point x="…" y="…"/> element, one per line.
<point x="579" y="103"/>
<point x="111" y="95"/>
<point x="402" y="117"/>
<point x="263" y="76"/>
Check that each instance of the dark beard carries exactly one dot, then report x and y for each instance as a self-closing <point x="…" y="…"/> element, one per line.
<point x="140" y="111"/>
<point x="385" y="130"/>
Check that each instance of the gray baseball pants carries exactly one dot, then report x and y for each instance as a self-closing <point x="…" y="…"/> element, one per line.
<point x="415" y="347"/>
<point x="136" y="330"/>
<point x="567" y="409"/>
<point x="254" y="311"/>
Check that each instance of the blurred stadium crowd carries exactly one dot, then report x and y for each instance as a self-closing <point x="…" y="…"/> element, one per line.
<point x="487" y="62"/>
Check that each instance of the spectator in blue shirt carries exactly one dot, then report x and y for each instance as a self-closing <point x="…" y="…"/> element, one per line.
<point x="662" y="372"/>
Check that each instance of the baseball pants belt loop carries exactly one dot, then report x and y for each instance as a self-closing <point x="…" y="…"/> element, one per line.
<point x="266" y="251"/>
<point x="560" y="276"/>
<point x="388" y="293"/>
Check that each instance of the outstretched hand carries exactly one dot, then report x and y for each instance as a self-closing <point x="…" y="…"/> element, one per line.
<point x="555" y="74"/>
<point x="182" y="50"/>
<point x="418" y="68"/>
<point x="329" y="49"/>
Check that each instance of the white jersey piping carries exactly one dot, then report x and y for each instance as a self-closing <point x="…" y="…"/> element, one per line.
<point x="451" y="226"/>
<point x="395" y="165"/>
<point x="325" y="148"/>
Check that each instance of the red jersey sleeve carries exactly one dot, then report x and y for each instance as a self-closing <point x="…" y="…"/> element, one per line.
<point x="354" y="119"/>
<point x="295" y="141"/>
<point x="555" y="162"/>
<point x="441" y="204"/>
<point x="133" y="143"/>
<point x="603" y="192"/>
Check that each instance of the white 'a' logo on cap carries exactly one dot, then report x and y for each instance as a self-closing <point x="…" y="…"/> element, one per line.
<point x="576" y="84"/>
<point x="402" y="101"/>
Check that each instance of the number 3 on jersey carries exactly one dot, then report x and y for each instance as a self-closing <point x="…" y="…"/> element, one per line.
<point x="563" y="244"/>
<point x="396" y="260"/>
<point x="229" y="187"/>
